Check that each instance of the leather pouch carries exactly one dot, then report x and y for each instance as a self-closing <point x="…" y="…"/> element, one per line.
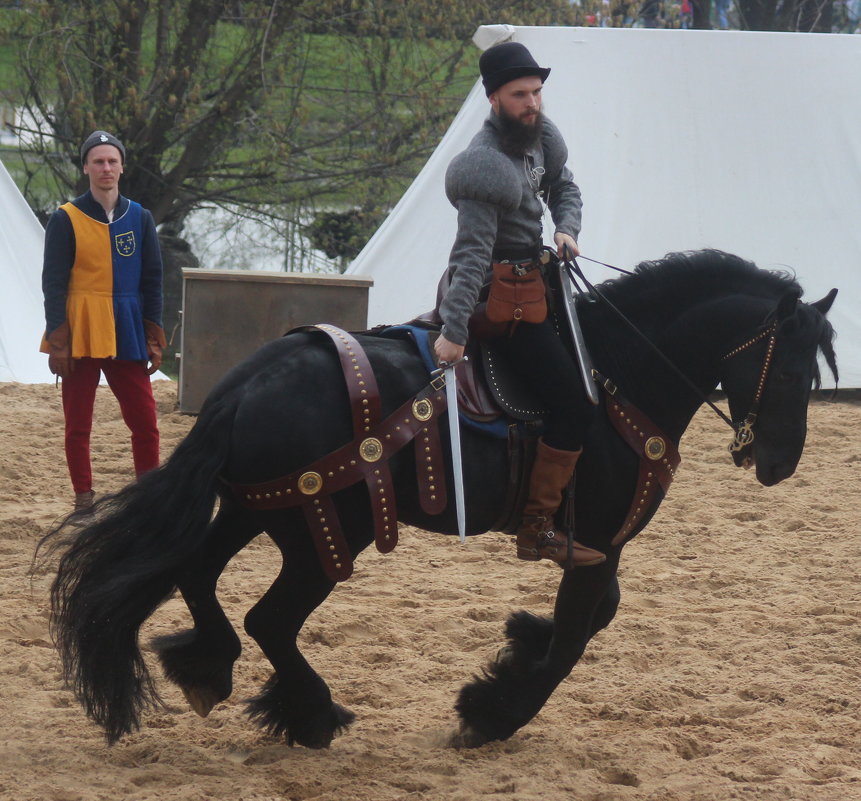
<point x="516" y="295"/>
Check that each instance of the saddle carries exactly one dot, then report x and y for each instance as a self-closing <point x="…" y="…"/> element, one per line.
<point x="489" y="399"/>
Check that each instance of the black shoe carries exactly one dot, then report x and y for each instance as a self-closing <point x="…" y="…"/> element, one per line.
<point x="84" y="503"/>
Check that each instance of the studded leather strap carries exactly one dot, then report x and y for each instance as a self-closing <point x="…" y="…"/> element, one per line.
<point x="345" y="466"/>
<point x="366" y="459"/>
<point x="335" y="558"/>
<point x="430" y="472"/>
<point x="361" y="382"/>
<point x="659" y="457"/>
<point x="367" y="408"/>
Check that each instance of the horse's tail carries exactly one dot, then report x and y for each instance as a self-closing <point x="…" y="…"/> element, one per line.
<point x="115" y="571"/>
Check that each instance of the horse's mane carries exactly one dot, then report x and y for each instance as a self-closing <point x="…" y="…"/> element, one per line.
<point x="656" y="289"/>
<point x="678" y="276"/>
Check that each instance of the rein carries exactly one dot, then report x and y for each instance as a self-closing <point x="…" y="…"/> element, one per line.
<point x="744" y="435"/>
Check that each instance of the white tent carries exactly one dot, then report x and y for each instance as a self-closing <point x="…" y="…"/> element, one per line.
<point x="22" y="319"/>
<point x="747" y="142"/>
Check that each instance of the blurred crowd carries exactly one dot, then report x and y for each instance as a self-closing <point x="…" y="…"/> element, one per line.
<point x="846" y="15"/>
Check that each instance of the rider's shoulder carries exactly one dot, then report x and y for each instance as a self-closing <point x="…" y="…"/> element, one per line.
<point x="485" y="174"/>
<point x="555" y="149"/>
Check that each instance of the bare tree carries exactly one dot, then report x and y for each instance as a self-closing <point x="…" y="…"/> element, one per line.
<point x="222" y="103"/>
<point x="251" y="103"/>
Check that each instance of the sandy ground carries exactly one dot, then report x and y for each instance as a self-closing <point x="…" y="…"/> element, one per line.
<point x="732" y="670"/>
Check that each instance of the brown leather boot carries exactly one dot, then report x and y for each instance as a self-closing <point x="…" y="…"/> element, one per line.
<point x="536" y="538"/>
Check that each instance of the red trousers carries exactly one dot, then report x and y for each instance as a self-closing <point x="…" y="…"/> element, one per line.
<point x="131" y="385"/>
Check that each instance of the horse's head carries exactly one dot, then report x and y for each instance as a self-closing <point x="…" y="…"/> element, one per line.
<point x="768" y="379"/>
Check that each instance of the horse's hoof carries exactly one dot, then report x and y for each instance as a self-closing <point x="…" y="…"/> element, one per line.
<point x="467" y="737"/>
<point x="319" y="731"/>
<point x="200" y="700"/>
<point x="317" y="741"/>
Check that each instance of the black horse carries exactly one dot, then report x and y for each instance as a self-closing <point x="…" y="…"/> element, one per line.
<point x="285" y="407"/>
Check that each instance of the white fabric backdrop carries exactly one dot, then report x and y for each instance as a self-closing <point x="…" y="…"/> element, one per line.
<point x="22" y="319"/>
<point x="747" y="142"/>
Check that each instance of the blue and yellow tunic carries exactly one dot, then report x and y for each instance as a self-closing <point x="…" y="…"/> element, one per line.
<point x="104" y="278"/>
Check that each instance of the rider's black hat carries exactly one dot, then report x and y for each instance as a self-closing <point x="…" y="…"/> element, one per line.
<point x="505" y="62"/>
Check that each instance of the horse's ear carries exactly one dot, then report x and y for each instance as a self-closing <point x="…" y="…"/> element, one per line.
<point x="787" y="304"/>
<point x="822" y="306"/>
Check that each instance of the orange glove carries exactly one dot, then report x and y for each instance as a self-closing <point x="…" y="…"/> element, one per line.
<point x="155" y="343"/>
<point x="60" y="361"/>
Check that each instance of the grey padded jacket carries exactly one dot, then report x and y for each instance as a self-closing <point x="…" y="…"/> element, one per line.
<point x="499" y="211"/>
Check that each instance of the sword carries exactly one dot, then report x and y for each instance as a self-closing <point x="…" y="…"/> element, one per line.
<point x="583" y="359"/>
<point x="447" y="368"/>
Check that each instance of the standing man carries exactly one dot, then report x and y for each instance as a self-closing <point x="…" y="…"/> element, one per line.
<point x="512" y="166"/>
<point x="102" y="283"/>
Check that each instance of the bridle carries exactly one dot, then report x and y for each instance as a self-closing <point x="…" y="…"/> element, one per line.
<point x="743" y="430"/>
<point x="744" y="435"/>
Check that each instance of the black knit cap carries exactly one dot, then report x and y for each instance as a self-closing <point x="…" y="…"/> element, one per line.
<point x="506" y="62"/>
<point x="97" y="138"/>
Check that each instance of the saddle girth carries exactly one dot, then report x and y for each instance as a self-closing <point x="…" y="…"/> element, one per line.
<point x="365" y="458"/>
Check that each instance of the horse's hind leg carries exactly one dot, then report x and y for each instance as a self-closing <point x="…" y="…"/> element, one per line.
<point x="296" y="701"/>
<point x="200" y="660"/>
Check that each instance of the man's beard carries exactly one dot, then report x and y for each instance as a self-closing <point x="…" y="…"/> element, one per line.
<point x="517" y="137"/>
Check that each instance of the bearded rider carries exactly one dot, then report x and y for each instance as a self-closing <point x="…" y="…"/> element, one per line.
<point x="512" y="166"/>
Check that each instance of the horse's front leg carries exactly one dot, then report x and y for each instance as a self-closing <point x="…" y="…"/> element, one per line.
<point x="541" y="652"/>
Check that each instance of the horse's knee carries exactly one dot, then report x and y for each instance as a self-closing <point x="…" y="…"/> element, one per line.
<point x="263" y="623"/>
